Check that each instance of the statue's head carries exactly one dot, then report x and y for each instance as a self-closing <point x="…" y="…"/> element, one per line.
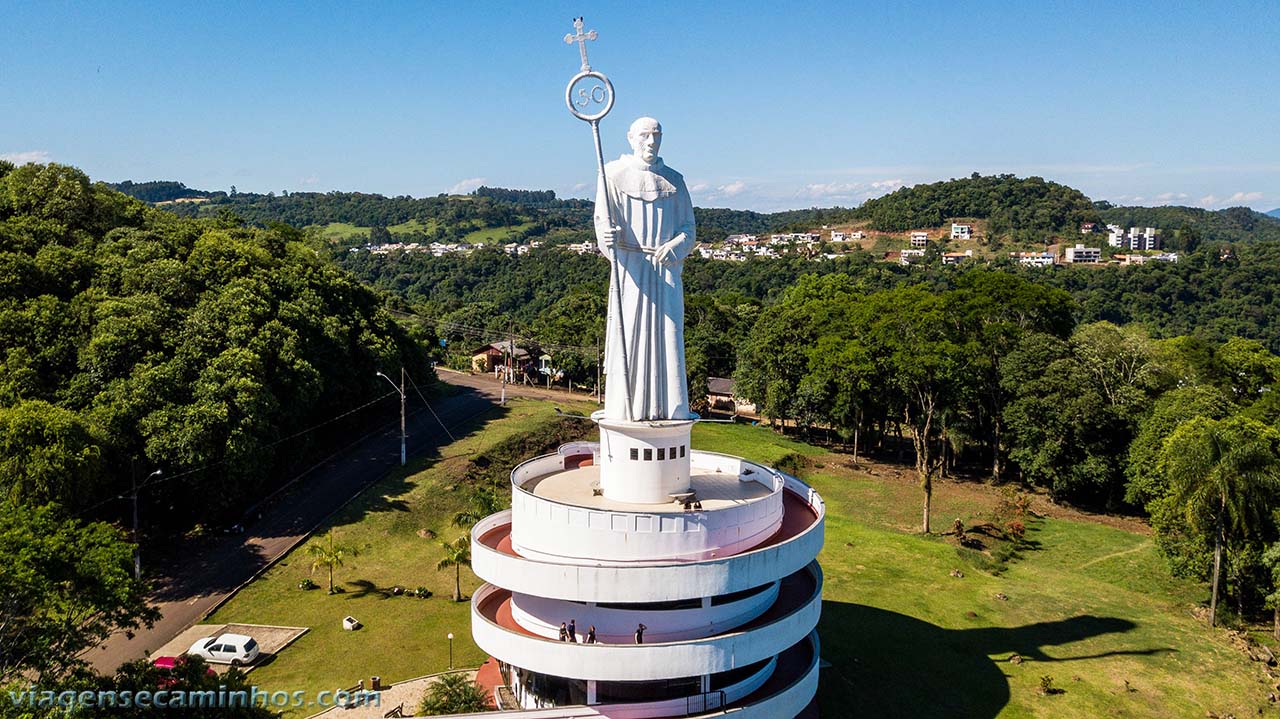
<point x="645" y="137"/>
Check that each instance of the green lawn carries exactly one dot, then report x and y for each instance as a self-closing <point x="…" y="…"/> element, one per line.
<point x="403" y="637"/>
<point x="495" y="234"/>
<point x="1089" y="605"/>
<point x="341" y="231"/>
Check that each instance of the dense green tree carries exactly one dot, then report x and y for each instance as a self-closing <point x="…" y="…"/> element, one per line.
<point x="47" y="454"/>
<point x="1146" y="481"/>
<point x="1223" y="473"/>
<point x="928" y="370"/>
<point x="64" y="587"/>
<point x="993" y="312"/>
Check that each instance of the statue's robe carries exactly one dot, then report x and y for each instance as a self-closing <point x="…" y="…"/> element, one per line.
<point x="652" y="206"/>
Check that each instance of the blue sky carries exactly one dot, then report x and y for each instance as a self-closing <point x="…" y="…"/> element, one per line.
<point x="764" y="106"/>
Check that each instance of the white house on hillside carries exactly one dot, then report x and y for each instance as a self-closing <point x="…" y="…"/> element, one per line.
<point x="919" y="239"/>
<point x="1080" y="253"/>
<point x="961" y="232"/>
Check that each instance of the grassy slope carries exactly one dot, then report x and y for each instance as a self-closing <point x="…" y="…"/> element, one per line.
<point x="1091" y="606"/>
<point x="342" y="231"/>
<point x="403" y="637"/>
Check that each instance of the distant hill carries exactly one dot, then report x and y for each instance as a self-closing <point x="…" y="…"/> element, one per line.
<point x="1024" y="210"/>
<point x="160" y="191"/>
<point x="1275" y="212"/>
<point x="1021" y="208"/>
<point x="1234" y="224"/>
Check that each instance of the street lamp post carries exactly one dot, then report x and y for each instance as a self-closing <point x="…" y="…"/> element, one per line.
<point x="451" y="650"/>
<point x="137" y="542"/>
<point x="400" y="390"/>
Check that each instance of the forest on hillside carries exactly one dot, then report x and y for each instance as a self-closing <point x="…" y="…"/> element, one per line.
<point x="134" y="340"/>
<point x="1020" y="210"/>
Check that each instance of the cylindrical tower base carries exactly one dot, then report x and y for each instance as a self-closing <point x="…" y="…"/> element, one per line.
<point x="644" y="462"/>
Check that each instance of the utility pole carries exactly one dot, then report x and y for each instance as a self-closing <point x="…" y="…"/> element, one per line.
<point x="401" y="391"/>
<point x="402" y="413"/>
<point x="137" y="541"/>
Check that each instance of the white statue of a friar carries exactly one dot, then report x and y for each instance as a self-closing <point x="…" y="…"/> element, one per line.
<point x="651" y="232"/>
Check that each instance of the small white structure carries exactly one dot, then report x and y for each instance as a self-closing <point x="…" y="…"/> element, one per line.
<point x="1034" y="259"/>
<point x="955" y="258"/>
<point x="838" y="236"/>
<point x="906" y="257"/>
<point x="1143" y="238"/>
<point x="350" y="624"/>
<point x="961" y="232"/>
<point x="1115" y="235"/>
<point x="1080" y="253"/>
<point x="857" y="235"/>
<point x="919" y="239"/>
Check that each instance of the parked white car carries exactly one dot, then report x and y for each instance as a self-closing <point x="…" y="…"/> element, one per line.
<point x="233" y="649"/>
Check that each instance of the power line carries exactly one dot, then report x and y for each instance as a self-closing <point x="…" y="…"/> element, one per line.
<point x="220" y="462"/>
<point x="428" y="406"/>
<point x="485" y="333"/>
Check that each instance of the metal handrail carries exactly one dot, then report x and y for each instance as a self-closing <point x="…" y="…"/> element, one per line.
<point x="690" y="710"/>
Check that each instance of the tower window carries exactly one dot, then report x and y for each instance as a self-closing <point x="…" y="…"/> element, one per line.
<point x="672" y="453"/>
<point x="662" y="453"/>
<point x="648" y="454"/>
<point x="635" y="454"/>
<point x="682" y="450"/>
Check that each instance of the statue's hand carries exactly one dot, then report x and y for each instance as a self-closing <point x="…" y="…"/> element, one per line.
<point x="666" y="253"/>
<point x="608" y="236"/>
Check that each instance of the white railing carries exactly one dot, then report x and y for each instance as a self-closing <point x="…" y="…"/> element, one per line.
<point x="548" y="529"/>
<point x="615" y="625"/>
<point x="651" y="581"/>
<point x="642" y="662"/>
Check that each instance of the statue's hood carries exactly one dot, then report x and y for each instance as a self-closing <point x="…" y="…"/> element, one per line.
<point x="636" y="178"/>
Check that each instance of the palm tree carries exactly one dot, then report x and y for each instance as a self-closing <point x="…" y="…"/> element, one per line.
<point x="457" y="554"/>
<point x="329" y="556"/>
<point x="453" y="694"/>
<point x="484" y="501"/>
<point x="1221" y="473"/>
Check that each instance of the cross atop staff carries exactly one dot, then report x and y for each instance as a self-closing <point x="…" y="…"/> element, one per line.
<point x="581" y="38"/>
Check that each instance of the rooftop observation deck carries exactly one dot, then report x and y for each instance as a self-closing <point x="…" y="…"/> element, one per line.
<point x="714" y="488"/>
<point x="797" y="517"/>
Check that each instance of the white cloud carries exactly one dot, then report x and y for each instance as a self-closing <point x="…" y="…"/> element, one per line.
<point x="1171" y="196"/>
<point x="579" y="186"/>
<point x="1245" y="197"/>
<point x="22" y="158"/>
<point x="733" y="188"/>
<point x="466" y="186"/>
<point x="309" y="181"/>
<point x="847" y="192"/>
<point x="887" y="184"/>
<point x="699" y="187"/>
<point x="1239" y="198"/>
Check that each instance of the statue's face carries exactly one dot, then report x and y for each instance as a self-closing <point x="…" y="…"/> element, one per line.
<point x="645" y="137"/>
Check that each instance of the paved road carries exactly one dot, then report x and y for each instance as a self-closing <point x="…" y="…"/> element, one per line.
<point x="194" y="577"/>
